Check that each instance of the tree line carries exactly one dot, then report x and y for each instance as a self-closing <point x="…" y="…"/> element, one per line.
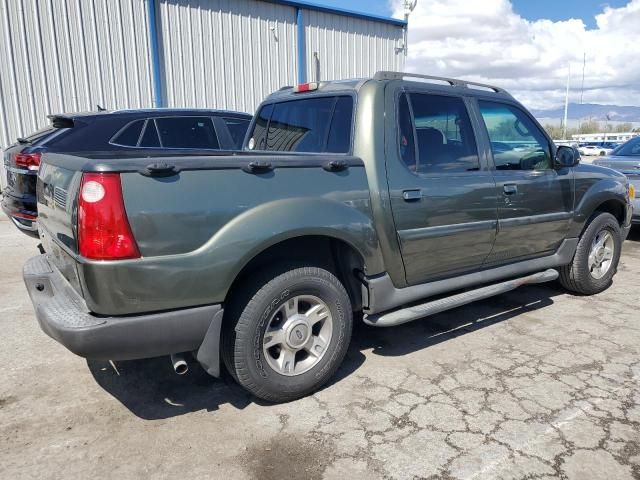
<point x="590" y="126"/>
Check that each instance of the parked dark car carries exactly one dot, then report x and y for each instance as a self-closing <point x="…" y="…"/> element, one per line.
<point x="153" y="132"/>
<point x="626" y="159"/>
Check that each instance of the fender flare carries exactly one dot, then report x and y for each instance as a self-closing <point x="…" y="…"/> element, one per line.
<point x="266" y="225"/>
<point x="602" y="191"/>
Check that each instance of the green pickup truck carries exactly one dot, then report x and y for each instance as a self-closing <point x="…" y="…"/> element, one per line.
<point x="394" y="197"/>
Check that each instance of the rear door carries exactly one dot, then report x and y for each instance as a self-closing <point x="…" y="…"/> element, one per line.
<point x="442" y="193"/>
<point x="535" y="200"/>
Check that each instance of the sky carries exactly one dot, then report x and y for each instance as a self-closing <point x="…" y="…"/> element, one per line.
<point x="525" y="46"/>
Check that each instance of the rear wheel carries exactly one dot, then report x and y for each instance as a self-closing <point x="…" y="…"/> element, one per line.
<point x="287" y="333"/>
<point x="596" y="259"/>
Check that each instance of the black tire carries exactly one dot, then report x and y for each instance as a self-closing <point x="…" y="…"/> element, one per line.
<point x="576" y="276"/>
<point x="249" y="313"/>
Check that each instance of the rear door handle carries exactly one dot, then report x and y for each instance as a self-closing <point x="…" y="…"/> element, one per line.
<point x="510" y="188"/>
<point x="411" y="195"/>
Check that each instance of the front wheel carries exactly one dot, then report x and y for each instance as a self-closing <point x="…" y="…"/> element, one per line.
<point x="596" y="259"/>
<point x="288" y="333"/>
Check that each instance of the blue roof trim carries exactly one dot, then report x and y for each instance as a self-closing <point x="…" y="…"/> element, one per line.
<point x="340" y="11"/>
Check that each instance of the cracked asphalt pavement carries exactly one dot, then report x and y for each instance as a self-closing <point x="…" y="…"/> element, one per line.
<point x="533" y="384"/>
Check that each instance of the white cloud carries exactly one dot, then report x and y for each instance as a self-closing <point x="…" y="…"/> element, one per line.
<point x="488" y="42"/>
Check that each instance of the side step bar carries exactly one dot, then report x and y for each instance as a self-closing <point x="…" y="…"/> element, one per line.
<point x="398" y="317"/>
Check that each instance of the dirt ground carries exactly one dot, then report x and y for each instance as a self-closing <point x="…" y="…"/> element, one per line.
<point x="533" y="384"/>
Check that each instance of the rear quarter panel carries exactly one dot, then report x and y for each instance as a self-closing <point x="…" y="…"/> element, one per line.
<point x="198" y="229"/>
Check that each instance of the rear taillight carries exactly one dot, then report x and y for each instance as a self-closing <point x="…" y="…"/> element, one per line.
<point x="23" y="216"/>
<point x="103" y="228"/>
<point x="30" y="161"/>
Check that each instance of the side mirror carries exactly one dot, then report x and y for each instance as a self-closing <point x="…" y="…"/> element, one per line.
<point x="566" y="157"/>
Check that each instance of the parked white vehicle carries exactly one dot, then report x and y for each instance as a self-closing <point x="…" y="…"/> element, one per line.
<point x="590" y="150"/>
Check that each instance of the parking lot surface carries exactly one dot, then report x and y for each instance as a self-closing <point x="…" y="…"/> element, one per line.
<point x="532" y="384"/>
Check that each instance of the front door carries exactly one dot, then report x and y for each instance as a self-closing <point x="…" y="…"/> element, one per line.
<point x="535" y="200"/>
<point x="442" y="196"/>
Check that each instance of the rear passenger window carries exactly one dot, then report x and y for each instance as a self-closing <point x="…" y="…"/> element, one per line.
<point x="130" y="135"/>
<point x="237" y="129"/>
<point x="444" y="138"/>
<point x="315" y="125"/>
<point x="187" y="132"/>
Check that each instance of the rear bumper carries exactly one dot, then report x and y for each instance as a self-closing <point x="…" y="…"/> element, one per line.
<point x="63" y="315"/>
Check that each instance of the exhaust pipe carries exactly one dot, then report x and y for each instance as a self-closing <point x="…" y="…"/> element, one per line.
<point x="180" y="365"/>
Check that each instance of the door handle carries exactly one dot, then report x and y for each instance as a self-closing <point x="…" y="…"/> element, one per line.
<point x="510" y="188"/>
<point x="411" y="195"/>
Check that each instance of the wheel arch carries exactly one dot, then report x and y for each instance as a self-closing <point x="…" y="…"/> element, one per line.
<point x="324" y="250"/>
<point x="613" y="206"/>
<point x="608" y="196"/>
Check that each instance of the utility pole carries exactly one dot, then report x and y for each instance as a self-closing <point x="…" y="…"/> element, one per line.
<point x="566" y="103"/>
<point x="409" y="5"/>
<point x="584" y="62"/>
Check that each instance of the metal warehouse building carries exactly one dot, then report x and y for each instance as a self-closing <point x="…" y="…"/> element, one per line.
<point x="72" y="55"/>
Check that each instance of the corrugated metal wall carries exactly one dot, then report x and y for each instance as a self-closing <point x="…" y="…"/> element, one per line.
<point x="339" y="46"/>
<point x="70" y="55"/>
<point x="228" y="53"/>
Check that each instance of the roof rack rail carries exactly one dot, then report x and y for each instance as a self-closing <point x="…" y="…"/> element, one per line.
<point x="454" y="82"/>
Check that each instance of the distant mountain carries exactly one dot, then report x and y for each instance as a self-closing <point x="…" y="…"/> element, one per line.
<point x="598" y="112"/>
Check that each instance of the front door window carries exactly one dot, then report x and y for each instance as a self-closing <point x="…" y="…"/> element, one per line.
<point x="516" y="142"/>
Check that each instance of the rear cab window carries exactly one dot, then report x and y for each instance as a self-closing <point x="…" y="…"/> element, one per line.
<point x="317" y="124"/>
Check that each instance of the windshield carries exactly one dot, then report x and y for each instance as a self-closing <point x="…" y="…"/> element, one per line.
<point x="632" y="147"/>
